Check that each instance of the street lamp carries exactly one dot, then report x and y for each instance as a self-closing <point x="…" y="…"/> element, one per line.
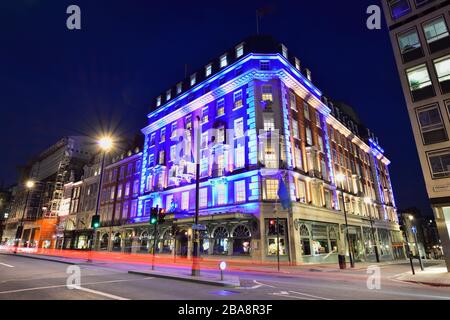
<point x="106" y="144"/>
<point x="368" y="202"/>
<point x="414" y="231"/>
<point x="341" y="178"/>
<point x="196" y="235"/>
<point x="29" y="185"/>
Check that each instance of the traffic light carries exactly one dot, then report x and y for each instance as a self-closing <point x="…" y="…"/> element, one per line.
<point x="161" y="216"/>
<point x="154" y="216"/>
<point x="272" y="222"/>
<point x="95" y="222"/>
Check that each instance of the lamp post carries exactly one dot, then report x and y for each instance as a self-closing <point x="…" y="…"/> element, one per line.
<point x="341" y="178"/>
<point x="414" y="231"/>
<point x="29" y="185"/>
<point x="196" y="236"/>
<point x="105" y="144"/>
<point x="368" y="202"/>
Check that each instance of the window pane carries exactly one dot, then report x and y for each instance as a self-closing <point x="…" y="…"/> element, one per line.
<point x="440" y="164"/>
<point x="418" y="77"/>
<point x="409" y="41"/>
<point x="443" y="68"/>
<point x="435" y="30"/>
<point x="399" y="8"/>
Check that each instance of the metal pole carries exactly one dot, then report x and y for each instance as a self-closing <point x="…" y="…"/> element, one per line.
<point x="154" y="241"/>
<point x="350" y="248"/>
<point x="374" y="239"/>
<point x="196" y="246"/>
<point x="408" y="248"/>
<point x="97" y="207"/>
<point x="278" y="243"/>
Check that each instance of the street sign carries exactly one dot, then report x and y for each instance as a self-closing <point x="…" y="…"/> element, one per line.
<point x="199" y="227"/>
<point x="414" y="229"/>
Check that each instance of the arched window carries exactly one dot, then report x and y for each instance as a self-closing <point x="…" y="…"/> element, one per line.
<point x="104" y="242"/>
<point x="204" y="242"/>
<point x="220" y="236"/>
<point x="305" y="239"/>
<point x="167" y="241"/>
<point x="242" y="239"/>
<point x="117" y="242"/>
<point x="304" y="232"/>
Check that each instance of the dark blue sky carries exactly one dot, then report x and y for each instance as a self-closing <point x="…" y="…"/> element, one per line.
<point x="56" y="82"/>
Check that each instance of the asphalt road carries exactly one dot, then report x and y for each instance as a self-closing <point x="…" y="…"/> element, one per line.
<point x="25" y="278"/>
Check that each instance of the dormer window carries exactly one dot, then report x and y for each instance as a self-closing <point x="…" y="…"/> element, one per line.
<point x="179" y="87"/>
<point x="208" y="70"/>
<point x="223" y="61"/>
<point x="297" y="64"/>
<point x="168" y="95"/>
<point x="158" y="101"/>
<point x="240" y="50"/>
<point x="308" y="74"/>
<point x="284" y="51"/>
<point x="193" y="79"/>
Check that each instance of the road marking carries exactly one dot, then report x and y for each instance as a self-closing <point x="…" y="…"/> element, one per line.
<point x="100" y="293"/>
<point x="309" y="295"/>
<point x="65" y="286"/>
<point x="286" y="294"/>
<point x="7" y="265"/>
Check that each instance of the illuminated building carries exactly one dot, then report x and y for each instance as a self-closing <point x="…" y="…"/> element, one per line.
<point x="419" y="31"/>
<point x="262" y="119"/>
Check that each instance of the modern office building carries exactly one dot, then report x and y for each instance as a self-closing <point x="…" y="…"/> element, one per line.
<point x="421" y="42"/>
<point x="262" y="124"/>
<point x="36" y="209"/>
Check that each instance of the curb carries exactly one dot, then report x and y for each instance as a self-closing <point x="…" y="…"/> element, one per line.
<point x="174" y="277"/>
<point x="42" y="258"/>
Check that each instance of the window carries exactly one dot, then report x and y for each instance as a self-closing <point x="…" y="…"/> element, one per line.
<point x="309" y="139"/>
<point x="239" y="156"/>
<point x="321" y="147"/>
<point x="193" y="79"/>
<point x="220" y="135"/>
<point x="238" y="99"/>
<point x="173" y="153"/>
<point x="239" y="191"/>
<point x="270" y="157"/>
<point x="408" y="41"/>
<point x="204" y="140"/>
<point x="205" y="115"/>
<point x="135" y="187"/>
<point x="264" y="65"/>
<point x="435" y="30"/>
<point x="431" y="125"/>
<point x="240" y="50"/>
<point x="420" y="83"/>
<point x="284" y="51"/>
<point x="273" y="233"/>
<point x="179" y="87"/>
<point x="158" y="101"/>
<point x="127" y="189"/>
<point x="174" y="130"/>
<point x="239" y="127"/>
<point x="399" y="8"/>
<point x="203" y="197"/>
<point x="220" y="107"/>
<point x="440" y="163"/>
<point x="133" y="211"/>
<point x="162" y="156"/>
<point x="189" y="122"/>
<point x="168" y="95"/>
<point x="442" y="66"/>
<point x="169" y="200"/>
<point x="267" y="93"/>
<point x="151" y="160"/>
<point x="269" y="121"/>
<point x="301" y="191"/>
<point x="208" y="70"/>
<point x="162" y="137"/>
<point x="152" y="139"/>
<point x="272" y="189"/>
<point x="318" y="124"/>
<point x="223" y="61"/>
<point x="297" y="64"/>
<point x="306" y="110"/>
<point x="295" y="129"/>
<point x="221" y="194"/>
<point x="185" y="200"/>
<point x="293" y="101"/>
<point x="298" y="158"/>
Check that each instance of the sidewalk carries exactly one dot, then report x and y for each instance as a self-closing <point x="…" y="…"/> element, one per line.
<point x="434" y="276"/>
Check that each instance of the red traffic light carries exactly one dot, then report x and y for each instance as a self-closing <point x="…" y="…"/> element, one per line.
<point x="272" y="222"/>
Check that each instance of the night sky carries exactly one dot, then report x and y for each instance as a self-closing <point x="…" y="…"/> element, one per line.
<point x="56" y="82"/>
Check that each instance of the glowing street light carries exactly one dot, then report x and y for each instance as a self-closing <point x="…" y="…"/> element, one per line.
<point x="105" y="143"/>
<point x="29" y="184"/>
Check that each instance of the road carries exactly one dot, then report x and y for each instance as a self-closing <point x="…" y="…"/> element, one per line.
<point x="25" y="278"/>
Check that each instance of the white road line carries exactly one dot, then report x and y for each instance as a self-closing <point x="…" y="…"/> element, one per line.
<point x="100" y="293"/>
<point x="6" y="265"/>
<point x="292" y="297"/>
<point x="65" y="286"/>
<point x="309" y="295"/>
